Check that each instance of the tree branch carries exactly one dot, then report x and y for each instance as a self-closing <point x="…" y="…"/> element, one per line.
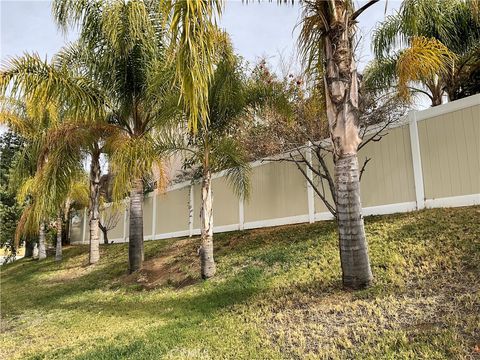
<point x="362" y="9"/>
<point x="328" y="177"/>
<point x="377" y="136"/>
<point x="310" y="181"/>
<point x="363" y="167"/>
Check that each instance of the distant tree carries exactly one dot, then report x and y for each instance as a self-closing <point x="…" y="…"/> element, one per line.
<point x="300" y="131"/>
<point x="108" y="223"/>
<point x="428" y="47"/>
<point x="10" y="210"/>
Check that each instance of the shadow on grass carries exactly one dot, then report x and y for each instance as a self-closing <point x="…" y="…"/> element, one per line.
<point x="65" y="283"/>
<point x="183" y="317"/>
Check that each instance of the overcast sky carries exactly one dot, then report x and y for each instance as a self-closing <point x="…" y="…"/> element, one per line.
<point x="262" y="29"/>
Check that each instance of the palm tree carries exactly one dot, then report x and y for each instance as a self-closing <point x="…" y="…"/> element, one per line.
<point x="428" y="47"/>
<point x="84" y="135"/>
<point x="327" y="44"/>
<point x="66" y="80"/>
<point x="47" y="184"/>
<point x="127" y="39"/>
<point x="20" y="118"/>
<point x="123" y="48"/>
<point x="215" y="147"/>
<point x="89" y="139"/>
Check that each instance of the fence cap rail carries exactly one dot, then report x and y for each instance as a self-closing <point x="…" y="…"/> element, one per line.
<point x="448" y="107"/>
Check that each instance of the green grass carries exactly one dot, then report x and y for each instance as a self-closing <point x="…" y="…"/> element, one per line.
<point x="277" y="295"/>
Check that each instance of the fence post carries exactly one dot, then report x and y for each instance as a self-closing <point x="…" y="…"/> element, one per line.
<point x="84" y="225"/>
<point x="417" y="160"/>
<point x="241" y="213"/>
<point x="102" y="220"/>
<point x="190" y="211"/>
<point x="154" y="213"/>
<point x="125" y="218"/>
<point x="310" y="194"/>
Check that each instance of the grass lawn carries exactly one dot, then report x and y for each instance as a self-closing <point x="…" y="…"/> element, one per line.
<point x="277" y="295"/>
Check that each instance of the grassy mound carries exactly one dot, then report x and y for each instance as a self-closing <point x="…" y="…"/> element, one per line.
<point x="277" y="295"/>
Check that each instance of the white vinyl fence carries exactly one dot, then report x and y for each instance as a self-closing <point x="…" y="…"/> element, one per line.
<point x="430" y="159"/>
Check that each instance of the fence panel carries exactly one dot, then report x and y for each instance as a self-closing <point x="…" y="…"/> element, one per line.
<point x="450" y="150"/>
<point x="432" y="160"/>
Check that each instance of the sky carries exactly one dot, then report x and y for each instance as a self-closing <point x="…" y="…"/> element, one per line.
<point x="259" y="29"/>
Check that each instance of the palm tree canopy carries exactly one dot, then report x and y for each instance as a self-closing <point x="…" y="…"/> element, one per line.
<point x="42" y="178"/>
<point x="455" y="23"/>
<point x="128" y="28"/>
<point x="445" y="34"/>
<point x="123" y="47"/>
<point x="215" y="144"/>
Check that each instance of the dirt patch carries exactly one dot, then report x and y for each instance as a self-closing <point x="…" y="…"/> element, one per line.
<point x="177" y="266"/>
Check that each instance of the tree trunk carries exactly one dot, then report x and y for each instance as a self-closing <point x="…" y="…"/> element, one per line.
<point x="94" y="213"/>
<point x="135" y="243"/>
<point x="35" y="251"/>
<point x="58" y="249"/>
<point x="66" y="221"/>
<point x="435" y="88"/>
<point x="105" y="233"/>
<point x="29" y="245"/>
<point x="341" y="95"/>
<point x="206" y="248"/>
<point x="353" y="245"/>
<point x="436" y="99"/>
<point x="42" y="251"/>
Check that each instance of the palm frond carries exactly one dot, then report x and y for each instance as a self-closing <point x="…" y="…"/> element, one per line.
<point x="131" y="158"/>
<point x="381" y="74"/>
<point x="37" y="81"/>
<point x="193" y="31"/>
<point x="228" y="154"/>
<point x="316" y="18"/>
<point x="425" y="59"/>
<point x="79" y="192"/>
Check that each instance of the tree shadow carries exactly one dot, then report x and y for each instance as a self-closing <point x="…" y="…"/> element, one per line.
<point x="181" y="315"/>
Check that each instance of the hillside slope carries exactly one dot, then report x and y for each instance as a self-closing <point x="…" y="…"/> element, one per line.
<point x="277" y="295"/>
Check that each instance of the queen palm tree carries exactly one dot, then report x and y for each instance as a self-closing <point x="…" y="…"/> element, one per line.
<point x="121" y="44"/>
<point x="215" y="146"/>
<point x="67" y="80"/>
<point x="428" y="47"/>
<point x="20" y="118"/>
<point x="327" y="44"/>
<point x="39" y="176"/>
<point x="69" y="141"/>
<point x="130" y="50"/>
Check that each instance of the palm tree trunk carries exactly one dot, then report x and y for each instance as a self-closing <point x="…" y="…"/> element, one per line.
<point x="58" y="249"/>
<point x="42" y="251"/>
<point x="342" y="99"/>
<point x="29" y="245"/>
<point x="94" y="214"/>
<point x="437" y="99"/>
<point x="207" y="261"/>
<point x="66" y="221"/>
<point x="135" y="243"/>
<point x="437" y="92"/>
<point x="356" y="272"/>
